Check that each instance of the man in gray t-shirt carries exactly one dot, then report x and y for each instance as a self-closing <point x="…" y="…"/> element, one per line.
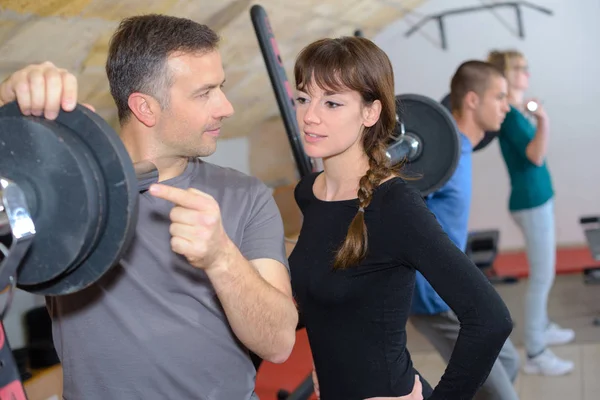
<point x="205" y="280"/>
<point x="166" y="313"/>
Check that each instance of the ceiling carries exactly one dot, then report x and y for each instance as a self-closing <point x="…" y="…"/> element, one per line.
<point x="74" y="34"/>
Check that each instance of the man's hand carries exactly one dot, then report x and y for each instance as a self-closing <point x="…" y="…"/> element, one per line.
<point x="41" y="89"/>
<point x="255" y="294"/>
<point x="539" y="112"/>
<point x="196" y="228"/>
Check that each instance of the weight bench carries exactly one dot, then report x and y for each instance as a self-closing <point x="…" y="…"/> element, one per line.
<point x="482" y="249"/>
<point x="591" y="229"/>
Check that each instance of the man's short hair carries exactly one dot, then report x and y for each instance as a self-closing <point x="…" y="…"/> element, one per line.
<point x="138" y="54"/>
<point x="471" y="76"/>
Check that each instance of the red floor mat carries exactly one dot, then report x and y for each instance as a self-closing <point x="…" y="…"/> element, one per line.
<point x="273" y="377"/>
<point x="568" y="260"/>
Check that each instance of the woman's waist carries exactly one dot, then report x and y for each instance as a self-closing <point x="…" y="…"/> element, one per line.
<point x="369" y="359"/>
<point x="364" y="376"/>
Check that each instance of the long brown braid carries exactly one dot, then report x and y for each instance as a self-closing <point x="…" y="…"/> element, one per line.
<point x="354" y="248"/>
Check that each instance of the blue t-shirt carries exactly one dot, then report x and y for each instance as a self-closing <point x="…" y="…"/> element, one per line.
<point x="450" y="205"/>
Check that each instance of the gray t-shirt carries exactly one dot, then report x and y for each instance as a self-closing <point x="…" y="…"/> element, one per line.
<point x="153" y="327"/>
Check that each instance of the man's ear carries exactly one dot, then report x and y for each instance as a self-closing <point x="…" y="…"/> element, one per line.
<point x="471" y="100"/>
<point x="145" y="108"/>
<point x="371" y="113"/>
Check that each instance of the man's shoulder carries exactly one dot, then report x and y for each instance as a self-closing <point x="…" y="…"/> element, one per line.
<point x="460" y="181"/>
<point x="465" y="145"/>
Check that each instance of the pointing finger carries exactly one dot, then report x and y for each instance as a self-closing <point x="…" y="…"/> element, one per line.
<point x="193" y="199"/>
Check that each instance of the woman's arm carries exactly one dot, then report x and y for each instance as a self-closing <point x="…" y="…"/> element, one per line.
<point x="538" y="147"/>
<point x="517" y="130"/>
<point x="418" y="240"/>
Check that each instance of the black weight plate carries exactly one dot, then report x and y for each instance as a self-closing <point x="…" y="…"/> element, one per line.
<point x="436" y="130"/>
<point x="121" y="189"/>
<point x="62" y="189"/>
<point x="488" y="136"/>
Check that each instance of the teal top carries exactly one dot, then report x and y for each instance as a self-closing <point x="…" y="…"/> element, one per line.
<point x="531" y="185"/>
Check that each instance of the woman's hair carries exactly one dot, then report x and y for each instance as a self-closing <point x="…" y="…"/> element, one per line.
<point x="356" y="63"/>
<point x="503" y="60"/>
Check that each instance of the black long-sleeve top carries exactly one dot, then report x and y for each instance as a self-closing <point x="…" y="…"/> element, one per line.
<point x="356" y="318"/>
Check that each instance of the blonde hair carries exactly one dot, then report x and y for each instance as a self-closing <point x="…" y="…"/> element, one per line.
<point x="503" y="60"/>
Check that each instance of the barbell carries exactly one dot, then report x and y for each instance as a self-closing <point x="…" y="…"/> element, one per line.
<point x="68" y="193"/>
<point x="68" y="208"/>
<point x="69" y="188"/>
<point x="427" y="139"/>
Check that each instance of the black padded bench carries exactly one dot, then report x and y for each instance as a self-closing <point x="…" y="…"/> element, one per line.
<point x="591" y="229"/>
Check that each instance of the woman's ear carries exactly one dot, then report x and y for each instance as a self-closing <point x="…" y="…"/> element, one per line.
<point x="371" y="113"/>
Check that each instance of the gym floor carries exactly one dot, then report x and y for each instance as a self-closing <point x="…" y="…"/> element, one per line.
<point x="573" y="304"/>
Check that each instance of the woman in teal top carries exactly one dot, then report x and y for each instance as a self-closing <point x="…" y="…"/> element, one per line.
<point x="524" y="145"/>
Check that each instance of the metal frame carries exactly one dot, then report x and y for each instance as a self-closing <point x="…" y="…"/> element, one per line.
<point x="439" y="17"/>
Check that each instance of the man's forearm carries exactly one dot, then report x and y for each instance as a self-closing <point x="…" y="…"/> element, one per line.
<point x="261" y="316"/>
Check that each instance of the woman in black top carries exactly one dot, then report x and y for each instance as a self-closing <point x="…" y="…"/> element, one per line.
<point x="365" y="232"/>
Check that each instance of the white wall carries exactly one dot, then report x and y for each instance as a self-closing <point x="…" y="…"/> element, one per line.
<point x="232" y="153"/>
<point x="564" y="60"/>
